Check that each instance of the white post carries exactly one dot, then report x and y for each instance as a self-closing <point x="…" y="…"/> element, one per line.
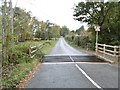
<point x="119" y="56"/>
<point x="104" y="51"/>
<point x="115" y="51"/>
<point x="119" y="51"/>
<point x="115" y="55"/>
<point x="96" y="49"/>
<point x="97" y="28"/>
<point x="96" y="42"/>
<point x="96" y="37"/>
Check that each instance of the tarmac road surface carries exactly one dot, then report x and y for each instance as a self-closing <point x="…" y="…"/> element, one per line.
<point x="66" y="67"/>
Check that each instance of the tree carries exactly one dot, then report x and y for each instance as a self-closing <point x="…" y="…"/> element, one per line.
<point x="64" y="31"/>
<point x="55" y="31"/>
<point x="78" y="31"/>
<point x="110" y="33"/>
<point x="37" y="34"/>
<point x="6" y="29"/>
<point x="21" y="25"/>
<point x="43" y="30"/>
<point x="93" y="13"/>
<point x="106" y="15"/>
<point x="0" y="29"/>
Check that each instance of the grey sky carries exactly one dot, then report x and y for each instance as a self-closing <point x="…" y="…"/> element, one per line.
<point x="56" y="11"/>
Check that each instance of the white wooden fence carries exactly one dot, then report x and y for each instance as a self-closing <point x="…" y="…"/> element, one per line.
<point x="108" y="52"/>
<point x="34" y="49"/>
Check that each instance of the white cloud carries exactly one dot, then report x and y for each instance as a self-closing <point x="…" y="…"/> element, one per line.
<point x="57" y="11"/>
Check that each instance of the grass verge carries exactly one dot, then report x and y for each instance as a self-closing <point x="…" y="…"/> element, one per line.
<point x="0" y="46"/>
<point x="78" y="47"/>
<point x="18" y="72"/>
<point x="46" y="49"/>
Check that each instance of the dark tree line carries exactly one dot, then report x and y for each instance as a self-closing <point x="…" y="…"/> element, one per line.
<point x="104" y="14"/>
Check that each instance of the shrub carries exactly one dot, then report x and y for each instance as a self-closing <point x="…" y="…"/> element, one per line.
<point x="18" y="54"/>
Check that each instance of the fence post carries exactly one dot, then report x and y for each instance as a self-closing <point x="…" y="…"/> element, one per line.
<point x="115" y="56"/>
<point x="104" y="50"/>
<point x="115" y="50"/>
<point x="119" y="55"/>
<point x="119" y="51"/>
<point x="30" y="52"/>
<point x="96" y="49"/>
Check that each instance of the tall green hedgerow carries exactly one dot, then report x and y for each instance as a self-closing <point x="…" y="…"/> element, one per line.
<point x="18" y="54"/>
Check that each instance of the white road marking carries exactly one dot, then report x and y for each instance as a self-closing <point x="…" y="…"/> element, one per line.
<point x="71" y="58"/>
<point x="73" y="63"/>
<point x="58" y="63"/>
<point x="67" y="55"/>
<point x="85" y="74"/>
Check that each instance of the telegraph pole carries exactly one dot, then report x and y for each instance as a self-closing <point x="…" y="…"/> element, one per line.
<point x="11" y="17"/>
<point x="7" y="30"/>
<point x="47" y="26"/>
<point x="3" y="7"/>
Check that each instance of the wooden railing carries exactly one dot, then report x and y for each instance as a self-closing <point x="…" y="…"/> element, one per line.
<point x="34" y="49"/>
<point x="108" y="51"/>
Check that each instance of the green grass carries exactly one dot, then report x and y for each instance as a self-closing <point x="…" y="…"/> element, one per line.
<point x="20" y="70"/>
<point x="78" y="47"/>
<point x="32" y="43"/>
<point x="0" y="46"/>
<point x="18" y="73"/>
<point x="46" y="49"/>
<point x="72" y="44"/>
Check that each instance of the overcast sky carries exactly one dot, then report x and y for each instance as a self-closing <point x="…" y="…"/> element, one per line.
<point x="56" y="11"/>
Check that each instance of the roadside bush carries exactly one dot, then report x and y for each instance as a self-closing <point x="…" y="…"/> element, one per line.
<point x="39" y="55"/>
<point x="19" y="62"/>
<point x="18" y="54"/>
<point x="86" y="42"/>
<point x="70" y="38"/>
<point x="77" y="40"/>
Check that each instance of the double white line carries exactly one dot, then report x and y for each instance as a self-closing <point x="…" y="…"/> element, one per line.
<point x="85" y="74"/>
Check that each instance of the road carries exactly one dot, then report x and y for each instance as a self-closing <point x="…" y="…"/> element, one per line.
<point x="66" y="67"/>
<point x="62" y="48"/>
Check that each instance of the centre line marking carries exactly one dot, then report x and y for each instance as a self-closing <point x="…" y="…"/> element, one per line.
<point x="85" y="74"/>
<point x="71" y="58"/>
